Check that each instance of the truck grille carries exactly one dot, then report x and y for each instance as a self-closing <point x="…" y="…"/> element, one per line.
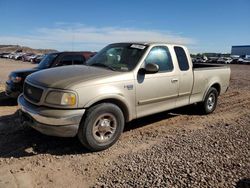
<point x="32" y="93"/>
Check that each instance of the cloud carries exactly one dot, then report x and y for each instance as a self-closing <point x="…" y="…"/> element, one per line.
<point x="81" y="37"/>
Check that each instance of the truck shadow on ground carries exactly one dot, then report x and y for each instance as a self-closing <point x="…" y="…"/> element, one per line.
<point x="19" y="141"/>
<point x="141" y="122"/>
<point x="7" y="101"/>
<point x="243" y="183"/>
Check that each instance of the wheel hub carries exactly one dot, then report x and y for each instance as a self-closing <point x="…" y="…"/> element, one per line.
<point x="104" y="127"/>
<point x="210" y="101"/>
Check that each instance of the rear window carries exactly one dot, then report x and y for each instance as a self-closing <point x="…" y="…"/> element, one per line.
<point x="182" y="58"/>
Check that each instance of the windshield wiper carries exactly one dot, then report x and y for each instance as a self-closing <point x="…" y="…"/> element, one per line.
<point x="103" y="65"/>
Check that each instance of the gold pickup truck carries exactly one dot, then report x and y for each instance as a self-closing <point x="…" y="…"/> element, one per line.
<point x="124" y="81"/>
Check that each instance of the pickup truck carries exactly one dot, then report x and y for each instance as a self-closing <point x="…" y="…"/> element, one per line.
<point x="14" y="85"/>
<point x="122" y="82"/>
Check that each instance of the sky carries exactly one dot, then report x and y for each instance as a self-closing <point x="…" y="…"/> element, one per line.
<point x="202" y="25"/>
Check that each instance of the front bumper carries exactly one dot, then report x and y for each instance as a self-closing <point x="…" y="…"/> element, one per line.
<point x="12" y="90"/>
<point x="49" y="121"/>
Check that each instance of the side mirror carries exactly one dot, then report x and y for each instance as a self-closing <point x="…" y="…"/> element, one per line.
<point x="151" y="68"/>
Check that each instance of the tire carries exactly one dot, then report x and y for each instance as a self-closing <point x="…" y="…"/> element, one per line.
<point x="101" y="127"/>
<point x="210" y="102"/>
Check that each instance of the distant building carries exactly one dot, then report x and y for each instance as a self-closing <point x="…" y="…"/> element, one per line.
<point x="240" y="50"/>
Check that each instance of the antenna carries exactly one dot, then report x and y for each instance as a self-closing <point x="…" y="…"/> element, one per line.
<point x="72" y="40"/>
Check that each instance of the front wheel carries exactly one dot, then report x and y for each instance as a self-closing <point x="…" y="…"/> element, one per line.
<point x="101" y="127"/>
<point x="210" y="102"/>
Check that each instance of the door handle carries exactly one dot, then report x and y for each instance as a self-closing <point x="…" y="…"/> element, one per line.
<point x="174" y="80"/>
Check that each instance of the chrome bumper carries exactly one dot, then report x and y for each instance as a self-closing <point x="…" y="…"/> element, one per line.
<point x="49" y="121"/>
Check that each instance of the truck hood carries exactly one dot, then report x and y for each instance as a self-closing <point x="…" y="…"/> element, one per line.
<point x="24" y="72"/>
<point x="67" y="76"/>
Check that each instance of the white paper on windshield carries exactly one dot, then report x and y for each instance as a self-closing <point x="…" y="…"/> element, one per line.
<point x="138" y="46"/>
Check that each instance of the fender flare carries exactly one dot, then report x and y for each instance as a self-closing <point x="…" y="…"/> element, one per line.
<point x="118" y="98"/>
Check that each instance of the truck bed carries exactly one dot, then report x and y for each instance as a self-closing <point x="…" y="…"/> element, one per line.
<point x="205" y="75"/>
<point x="206" y="65"/>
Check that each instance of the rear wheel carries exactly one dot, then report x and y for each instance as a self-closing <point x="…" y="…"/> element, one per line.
<point x="210" y="102"/>
<point x="101" y="127"/>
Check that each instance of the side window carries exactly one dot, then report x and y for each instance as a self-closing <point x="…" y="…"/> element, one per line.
<point x="182" y="58"/>
<point x="160" y="55"/>
<point x="78" y="60"/>
<point x="66" y="60"/>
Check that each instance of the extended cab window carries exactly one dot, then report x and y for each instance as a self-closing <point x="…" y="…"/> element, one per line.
<point x="182" y="58"/>
<point x="160" y="55"/>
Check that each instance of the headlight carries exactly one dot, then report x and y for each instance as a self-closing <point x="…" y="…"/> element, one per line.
<point x="61" y="98"/>
<point x="15" y="79"/>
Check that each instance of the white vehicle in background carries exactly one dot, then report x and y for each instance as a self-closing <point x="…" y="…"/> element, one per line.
<point x="11" y="55"/>
<point x="200" y="60"/>
<point x="224" y="60"/>
<point x="246" y="60"/>
<point x="5" y="55"/>
<point x="18" y="56"/>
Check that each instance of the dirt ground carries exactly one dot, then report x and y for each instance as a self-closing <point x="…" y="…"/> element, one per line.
<point x="179" y="148"/>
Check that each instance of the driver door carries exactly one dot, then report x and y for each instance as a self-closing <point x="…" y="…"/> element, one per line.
<point x="159" y="91"/>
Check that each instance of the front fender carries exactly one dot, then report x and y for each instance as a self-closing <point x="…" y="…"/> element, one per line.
<point x="117" y="99"/>
<point x="106" y="97"/>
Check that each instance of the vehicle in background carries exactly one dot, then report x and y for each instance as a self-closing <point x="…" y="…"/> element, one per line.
<point x="235" y="56"/>
<point x="200" y="60"/>
<point x="224" y="60"/>
<point x="123" y="82"/>
<point x="36" y="58"/>
<point x="32" y="57"/>
<point x="27" y="56"/>
<point x="240" y="61"/>
<point x="234" y="59"/>
<point x="212" y="60"/>
<point x="4" y="55"/>
<point x="14" y="85"/>
<point x="246" y="60"/>
<point x="11" y="55"/>
<point x="18" y="56"/>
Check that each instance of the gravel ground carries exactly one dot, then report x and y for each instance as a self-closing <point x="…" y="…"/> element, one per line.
<point x="215" y="156"/>
<point x="178" y="148"/>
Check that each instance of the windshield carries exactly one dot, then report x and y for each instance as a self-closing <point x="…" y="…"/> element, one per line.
<point x="118" y="57"/>
<point x="46" y="61"/>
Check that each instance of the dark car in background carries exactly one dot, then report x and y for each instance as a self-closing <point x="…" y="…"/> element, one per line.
<point x="14" y="85"/>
